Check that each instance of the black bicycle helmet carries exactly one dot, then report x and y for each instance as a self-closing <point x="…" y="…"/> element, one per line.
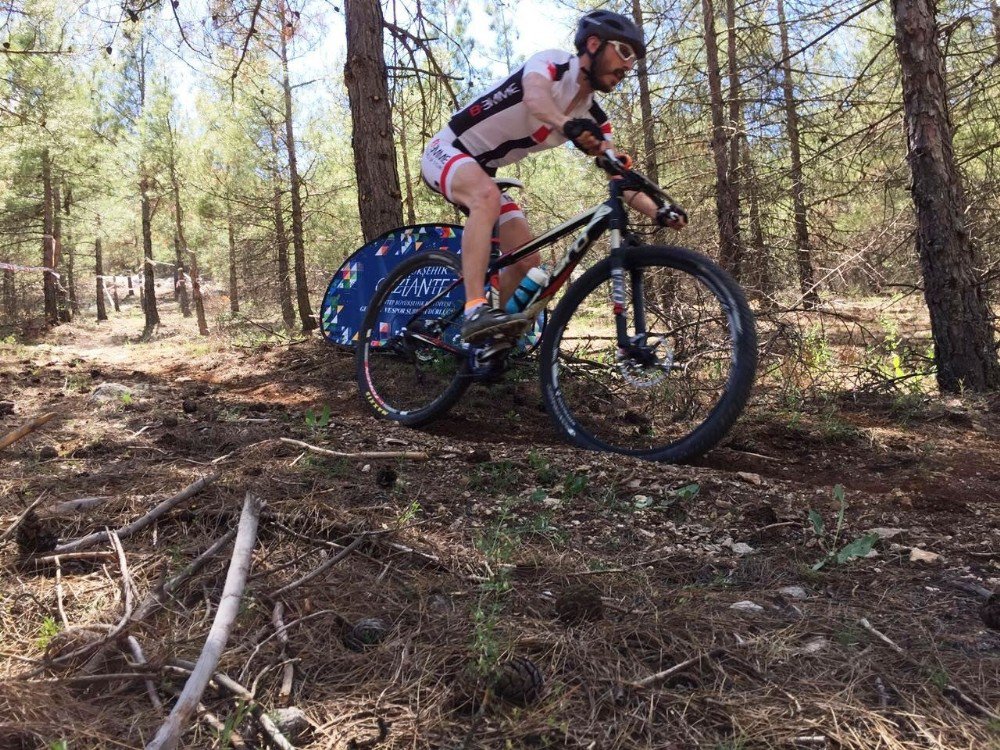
<point x="607" y="25"/>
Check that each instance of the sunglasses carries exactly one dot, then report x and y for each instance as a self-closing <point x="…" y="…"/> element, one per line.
<point x="623" y="50"/>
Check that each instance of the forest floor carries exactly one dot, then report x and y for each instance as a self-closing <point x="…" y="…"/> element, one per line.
<point x="506" y="552"/>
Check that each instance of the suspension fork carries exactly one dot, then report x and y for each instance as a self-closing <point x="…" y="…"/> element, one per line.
<point x="619" y="298"/>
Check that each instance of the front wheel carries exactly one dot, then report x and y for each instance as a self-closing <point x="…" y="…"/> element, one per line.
<point x="683" y="375"/>
<point x="411" y="365"/>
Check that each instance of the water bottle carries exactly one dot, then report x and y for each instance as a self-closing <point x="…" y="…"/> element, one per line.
<point x="527" y="290"/>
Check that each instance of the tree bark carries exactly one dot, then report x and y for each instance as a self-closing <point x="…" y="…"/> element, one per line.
<point x="180" y="283"/>
<point x="379" y="198"/>
<point x="650" y="162"/>
<point x="964" y="341"/>
<point x="48" y="243"/>
<point x="734" y="131"/>
<point x="102" y="310"/>
<point x="234" y="292"/>
<point x="62" y="300"/>
<point x="70" y="249"/>
<point x="803" y="252"/>
<point x="281" y="241"/>
<point x="149" y="278"/>
<point x="199" y="302"/>
<point x="9" y="296"/>
<point x="726" y="204"/>
<point x="298" y="239"/>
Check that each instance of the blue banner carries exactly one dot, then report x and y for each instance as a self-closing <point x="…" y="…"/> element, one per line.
<point x="354" y="284"/>
<point x="352" y="287"/>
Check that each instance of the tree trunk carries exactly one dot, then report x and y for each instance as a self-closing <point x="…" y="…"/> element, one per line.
<point x="148" y="275"/>
<point x="180" y="282"/>
<point x="48" y="244"/>
<point x="281" y="241"/>
<point x="803" y="253"/>
<point x="650" y="163"/>
<point x="62" y="298"/>
<point x="379" y="199"/>
<point x="298" y="239"/>
<point x="114" y="294"/>
<point x="734" y="131"/>
<point x="964" y="341"/>
<point x="726" y="203"/>
<point x="199" y="302"/>
<point x="9" y="296"/>
<point x="70" y="248"/>
<point x="102" y="310"/>
<point x="234" y="292"/>
<point x="760" y="252"/>
<point x="410" y="202"/>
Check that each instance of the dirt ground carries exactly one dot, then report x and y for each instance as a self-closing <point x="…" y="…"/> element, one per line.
<point x="510" y="591"/>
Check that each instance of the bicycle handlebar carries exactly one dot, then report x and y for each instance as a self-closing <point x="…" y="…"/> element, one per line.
<point x="610" y="163"/>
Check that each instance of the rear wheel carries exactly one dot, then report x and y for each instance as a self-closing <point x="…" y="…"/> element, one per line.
<point x="675" y="390"/>
<point x="411" y="365"/>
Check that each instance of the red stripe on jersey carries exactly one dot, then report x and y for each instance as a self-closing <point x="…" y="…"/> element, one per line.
<point x="541" y="134"/>
<point x="606" y="128"/>
<point x="507" y="208"/>
<point x="552" y="71"/>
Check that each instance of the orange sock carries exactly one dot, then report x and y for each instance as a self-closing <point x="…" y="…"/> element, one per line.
<point x="473" y="304"/>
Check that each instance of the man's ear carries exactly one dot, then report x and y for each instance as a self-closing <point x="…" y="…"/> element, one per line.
<point x="593" y="43"/>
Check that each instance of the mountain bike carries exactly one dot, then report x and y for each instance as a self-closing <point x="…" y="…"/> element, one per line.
<point x="651" y="352"/>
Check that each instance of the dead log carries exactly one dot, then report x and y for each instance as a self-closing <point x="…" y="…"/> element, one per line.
<point x="140" y="523"/>
<point x="26" y="429"/>
<point x="407" y="455"/>
<point x="246" y="538"/>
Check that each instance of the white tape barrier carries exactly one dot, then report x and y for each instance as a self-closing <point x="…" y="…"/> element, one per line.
<point x="31" y="269"/>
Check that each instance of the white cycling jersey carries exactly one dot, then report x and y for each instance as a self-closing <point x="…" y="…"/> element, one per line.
<point x="497" y="129"/>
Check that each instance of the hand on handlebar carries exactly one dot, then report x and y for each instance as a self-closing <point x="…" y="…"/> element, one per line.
<point x="585" y="134"/>
<point x="671" y="216"/>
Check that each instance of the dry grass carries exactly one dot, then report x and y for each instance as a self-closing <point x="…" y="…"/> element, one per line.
<point x="465" y="559"/>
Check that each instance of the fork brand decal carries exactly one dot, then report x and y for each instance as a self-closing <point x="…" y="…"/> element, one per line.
<point x="354" y="284"/>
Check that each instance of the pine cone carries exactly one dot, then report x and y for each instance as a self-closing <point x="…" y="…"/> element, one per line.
<point x="366" y="633"/>
<point x="34" y="536"/>
<point x="990" y="612"/>
<point x="579" y="603"/>
<point x="518" y="681"/>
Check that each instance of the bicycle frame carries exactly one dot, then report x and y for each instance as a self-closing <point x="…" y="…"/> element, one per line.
<point x="610" y="215"/>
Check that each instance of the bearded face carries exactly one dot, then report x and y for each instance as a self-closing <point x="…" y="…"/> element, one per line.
<point x="612" y="65"/>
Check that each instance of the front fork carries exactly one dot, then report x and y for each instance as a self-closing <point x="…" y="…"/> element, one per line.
<point x="619" y="298"/>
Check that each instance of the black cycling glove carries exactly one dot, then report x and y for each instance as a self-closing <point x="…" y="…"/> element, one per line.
<point x="576" y="128"/>
<point x="671" y="216"/>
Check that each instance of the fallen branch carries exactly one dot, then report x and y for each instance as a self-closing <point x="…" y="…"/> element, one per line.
<point x="21" y="517"/>
<point x="288" y="670"/>
<point x="407" y="455"/>
<point x="344" y="622"/>
<point x="677" y="668"/>
<point x="157" y="597"/>
<point x="236" y="690"/>
<point x="948" y="689"/>
<point x="94" y="650"/>
<point x="26" y="429"/>
<point x="246" y="538"/>
<point x="74" y="506"/>
<point x="319" y="568"/>
<point x="140" y="659"/>
<point x="70" y="556"/>
<point x="140" y="523"/>
<point x="59" y="595"/>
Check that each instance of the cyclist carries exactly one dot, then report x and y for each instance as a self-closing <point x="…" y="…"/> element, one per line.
<point x="547" y="101"/>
